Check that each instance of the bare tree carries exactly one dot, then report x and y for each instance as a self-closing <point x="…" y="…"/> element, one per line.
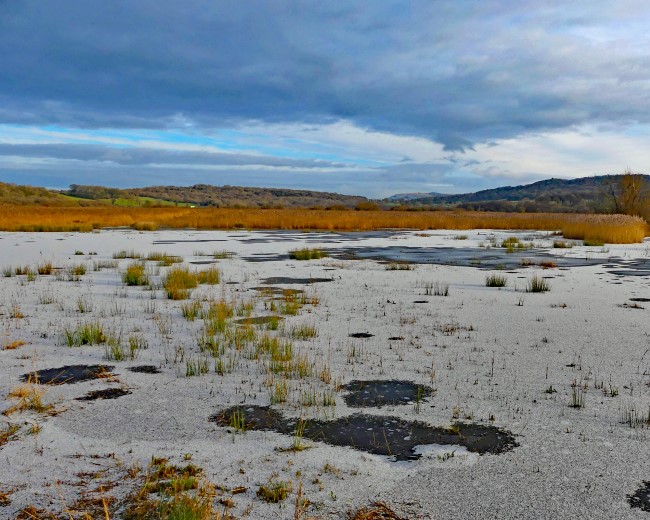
<point x="629" y="194"/>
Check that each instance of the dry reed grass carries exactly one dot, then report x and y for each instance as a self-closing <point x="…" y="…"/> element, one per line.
<point x="608" y="228"/>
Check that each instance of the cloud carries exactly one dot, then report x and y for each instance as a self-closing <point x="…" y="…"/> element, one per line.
<point x="366" y="98"/>
<point x="454" y="72"/>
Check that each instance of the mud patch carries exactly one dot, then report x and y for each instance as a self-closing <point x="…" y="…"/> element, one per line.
<point x="69" y="374"/>
<point x="145" y="369"/>
<point x="286" y="280"/>
<point x="641" y="498"/>
<point x="389" y="436"/>
<point x="107" y="393"/>
<point x="379" y="393"/>
<point x="259" y="320"/>
<point x="361" y="335"/>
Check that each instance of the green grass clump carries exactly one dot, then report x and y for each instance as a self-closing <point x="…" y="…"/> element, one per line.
<point x="178" y="283"/>
<point x="222" y="255"/>
<point x="120" y="255"/>
<point x="44" y="268"/>
<point x="275" y="490"/>
<point x="191" y="310"/>
<point x="90" y="333"/>
<point x="307" y="254"/>
<point x="164" y="259"/>
<point x="593" y="242"/>
<point x="173" y="493"/>
<point x="562" y="244"/>
<point x="537" y="284"/>
<point x="399" y="266"/>
<point x="209" y="276"/>
<point x="303" y="332"/>
<point x="513" y="244"/>
<point x="496" y="280"/>
<point x="135" y="275"/>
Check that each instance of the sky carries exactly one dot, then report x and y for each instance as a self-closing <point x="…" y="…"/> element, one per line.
<point x="368" y="98"/>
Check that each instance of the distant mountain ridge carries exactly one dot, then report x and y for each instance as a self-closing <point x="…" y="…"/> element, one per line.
<point x="586" y="194"/>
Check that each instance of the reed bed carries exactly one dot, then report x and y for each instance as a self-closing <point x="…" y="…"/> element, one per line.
<point x="613" y="229"/>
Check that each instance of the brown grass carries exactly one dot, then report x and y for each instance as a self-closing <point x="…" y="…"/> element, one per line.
<point x="13" y="345"/>
<point x="377" y="511"/>
<point x="607" y="228"/>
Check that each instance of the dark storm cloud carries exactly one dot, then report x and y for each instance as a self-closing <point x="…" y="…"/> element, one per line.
<point x="150" y="156"/>
<point x="456" y="72"/>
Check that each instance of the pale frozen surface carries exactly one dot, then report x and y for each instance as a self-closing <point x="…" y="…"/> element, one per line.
<point x="489" y="353"/>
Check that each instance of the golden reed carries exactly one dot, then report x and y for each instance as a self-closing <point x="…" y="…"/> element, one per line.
<point x="615" y="229"/>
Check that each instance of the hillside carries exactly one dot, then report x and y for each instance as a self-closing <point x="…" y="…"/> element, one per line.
<point x="23" y="195"/>
<point x="237" y="196"/>
<point x="585" y="195"/>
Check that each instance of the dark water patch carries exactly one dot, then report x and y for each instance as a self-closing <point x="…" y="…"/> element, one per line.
<point x="233" y="283"/>
<point x="641" y="497"/>
<point x="493" y="258"/>
<point x="265" y="257"/>
<point x="278" y="291"/>
<point x="107" y="393"/>
<point x="145" y="369"/>
<point x="377" y="393"/>
<point x="259" y="320"/>
<point x="69" y="374"/>
<point x="389" y="436"/>
<point x="192" y="241"/>
<point x="640" y="300"/>
<point x="203" y="262"/>
<point x="361" y="335"/>
<point x="396" y="338"/>
<point x="286" y="280"/>
<point x="421" y="301"/>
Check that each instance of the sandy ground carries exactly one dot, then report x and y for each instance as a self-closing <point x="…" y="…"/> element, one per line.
<point x="490" y="354"/>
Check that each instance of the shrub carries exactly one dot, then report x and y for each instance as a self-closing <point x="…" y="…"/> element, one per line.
<point x="178" y="283"/>
<point x="538" y="284"/>
<point x="209" y="276"/>
<point x="135" y="275"/>
<point x="496" y="280"/>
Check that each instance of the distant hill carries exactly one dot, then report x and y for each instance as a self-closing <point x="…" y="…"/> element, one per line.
<point x="17" y="194"/>
<point x="412" y="196"/>
<point x="237" y="196"/>
<point x="584" y="195"/>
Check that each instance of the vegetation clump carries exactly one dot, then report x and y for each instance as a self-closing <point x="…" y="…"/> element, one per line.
<point x="307" y="254"/>
<point x="135" y="275"/>
<point x="537" y="284"/>
<point x="496" y="280"/>
<point x="178" y="283"/>
<point x="275" y="490"/>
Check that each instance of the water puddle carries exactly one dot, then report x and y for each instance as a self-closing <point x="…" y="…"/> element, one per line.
<point x="363" y="394"/>
<point x="641" y="498"/>
<point x="69" y="374"/>
<point x="361" y="335"/>
<point x="285" y="280"/>
<point x="640" y="299"/>
<point x="278" y="291"/>
<point x="393" y="437"/>
<point x="145" y="369"/>
<point x="107" y="393"/>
